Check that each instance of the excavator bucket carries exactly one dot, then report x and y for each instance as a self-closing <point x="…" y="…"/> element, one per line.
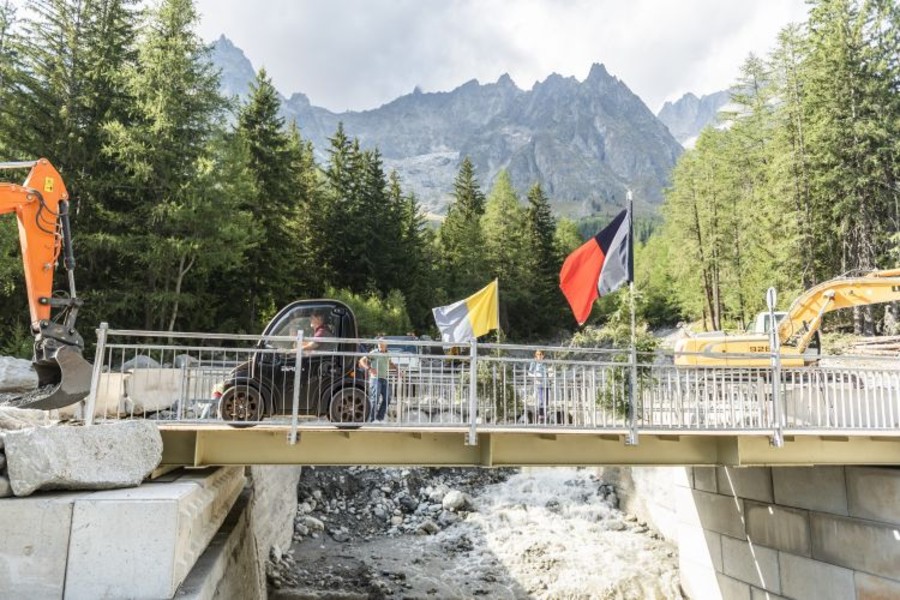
<point x="62" y="380"/>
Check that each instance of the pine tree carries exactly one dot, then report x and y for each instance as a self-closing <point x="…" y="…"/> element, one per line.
<point x="541" y="225"/>
<point x="507" y="249"/>
<point x="267" y="279"/>
<point x="461" y="239"/>
<point x="172" y="223"/>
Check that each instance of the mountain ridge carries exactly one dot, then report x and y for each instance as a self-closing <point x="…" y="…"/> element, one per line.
<point x="586" y="142"/>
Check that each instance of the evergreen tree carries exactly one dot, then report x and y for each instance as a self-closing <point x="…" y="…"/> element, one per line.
<point x="541" y="227"/>
<point x="509" y="258"/>
<point x="461" y="239"/>
<point x="267" y="278"/>
<point x="171" y="225"/>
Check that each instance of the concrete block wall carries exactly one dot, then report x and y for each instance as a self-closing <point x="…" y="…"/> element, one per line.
<point x="789" y="532"/>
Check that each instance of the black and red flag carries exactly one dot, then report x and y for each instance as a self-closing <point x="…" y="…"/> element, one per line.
<point x="599" y="266"/>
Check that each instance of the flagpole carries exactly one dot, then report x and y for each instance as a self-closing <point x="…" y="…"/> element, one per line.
<point x="632" y="438"/>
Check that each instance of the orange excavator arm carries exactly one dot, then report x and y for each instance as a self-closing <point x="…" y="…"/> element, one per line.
<point x="41" y="205"/>
<point x="37" y="206"/>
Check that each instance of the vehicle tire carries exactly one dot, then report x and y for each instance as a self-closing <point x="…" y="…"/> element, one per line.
<point x="241" y="404"/>
<point x="349" y="407"/>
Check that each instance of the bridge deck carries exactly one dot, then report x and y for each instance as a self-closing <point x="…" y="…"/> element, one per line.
<point x="393" y="446"/>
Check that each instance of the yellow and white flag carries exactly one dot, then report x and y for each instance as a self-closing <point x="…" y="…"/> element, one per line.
<point x="470" y="318"/>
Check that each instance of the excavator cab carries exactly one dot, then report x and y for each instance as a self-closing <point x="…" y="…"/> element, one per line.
<point x="41" y="205"/>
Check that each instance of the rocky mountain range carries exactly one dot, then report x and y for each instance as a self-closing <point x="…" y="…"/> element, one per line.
<point x="687" y="116"/>
<point x="586" y="142"/>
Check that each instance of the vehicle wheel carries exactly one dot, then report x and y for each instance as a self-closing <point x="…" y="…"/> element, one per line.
<point x="239" y="404"/>
<point x="349" y="405"/>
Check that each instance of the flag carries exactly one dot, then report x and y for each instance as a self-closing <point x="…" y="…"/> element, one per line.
<point x="599" y="266"/>
<point x="467" y="319"/>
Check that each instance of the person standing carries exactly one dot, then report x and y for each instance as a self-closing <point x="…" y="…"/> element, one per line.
<point x="538" y="370"/>
<point x="378" y="365"/>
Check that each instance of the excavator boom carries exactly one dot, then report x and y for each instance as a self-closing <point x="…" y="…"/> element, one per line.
<point x="796" y="330"/>
<point x="805" y="315"/>
<point x="42" y="209"/>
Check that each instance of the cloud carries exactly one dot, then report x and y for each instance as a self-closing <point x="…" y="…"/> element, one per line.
<point x="359" y="54"/>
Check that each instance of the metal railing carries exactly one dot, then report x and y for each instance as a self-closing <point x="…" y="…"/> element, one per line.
<point x="245" y="380"/>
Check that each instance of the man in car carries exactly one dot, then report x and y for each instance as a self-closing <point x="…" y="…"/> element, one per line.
<point x="320" y="329"/>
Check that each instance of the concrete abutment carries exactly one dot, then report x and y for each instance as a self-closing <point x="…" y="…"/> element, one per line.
<point x="774" y="532"/>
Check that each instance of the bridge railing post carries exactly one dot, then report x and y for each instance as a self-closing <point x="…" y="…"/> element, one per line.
<point x="632" y="438"/>
<point x="91" y="401"/>
<point x="295" y="394"/>
<point x="472" y="438"/>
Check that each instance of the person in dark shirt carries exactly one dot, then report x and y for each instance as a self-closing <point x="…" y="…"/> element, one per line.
<point x="320" y="330"/>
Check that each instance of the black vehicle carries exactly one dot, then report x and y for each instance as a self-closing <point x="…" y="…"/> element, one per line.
<point x="328" y="385"/>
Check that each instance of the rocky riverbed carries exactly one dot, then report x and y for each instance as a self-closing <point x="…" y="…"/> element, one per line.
<point x="463" y="533"/>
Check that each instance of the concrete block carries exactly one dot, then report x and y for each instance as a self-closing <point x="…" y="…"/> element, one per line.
<point x="150" y="390"/>
<point x="777" y="527"/>
<point x="152" y="534"/>
<point x="751" y="563"/>
<point x="109" y="403"/>
<point x="856" y="544"/>
<point x="700" y="546"/>
<point x="228" y="568"/>
<point x="721" y="514"/>
<point x="34" y="545"/>
<point x="806" y="578"/>
<point x="698" y="580"/>
<point x="732" y="589"/>
<point x="758" y="594"/>
<point x="874" y="493"/>
<point x="869" y="587"/>
<point x="813" y="488"/>
<point x="754" y="483"/>
<point x="705" y="479"/>
<point x="105" y="456"/>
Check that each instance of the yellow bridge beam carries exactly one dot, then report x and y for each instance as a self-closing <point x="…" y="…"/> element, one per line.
<point x="203" y="446"/>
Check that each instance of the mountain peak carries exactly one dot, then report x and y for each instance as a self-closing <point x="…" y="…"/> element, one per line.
<point x="506" y="81"/>
<point x="598" y="72"/>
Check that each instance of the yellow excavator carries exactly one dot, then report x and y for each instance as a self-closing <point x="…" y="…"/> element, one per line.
<point x="797" y="329"/>
<point x="41" y="205"/>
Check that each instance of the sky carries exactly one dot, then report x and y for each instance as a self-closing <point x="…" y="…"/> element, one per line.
<point x="360" y="54"/>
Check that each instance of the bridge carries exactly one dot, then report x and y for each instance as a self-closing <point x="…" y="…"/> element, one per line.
<point x="488" y="405"/>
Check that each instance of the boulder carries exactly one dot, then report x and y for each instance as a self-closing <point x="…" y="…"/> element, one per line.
<point x="100" y="457"/>
<point x="17" y="375"/>
<point x="456" y="500"/>
<point x="5" y="488"/>
<point x="141" y="361"/>
<point x="12" y="419"/>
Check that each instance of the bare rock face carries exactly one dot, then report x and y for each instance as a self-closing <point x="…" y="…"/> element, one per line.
<point x="99" y="457"/>
<point x="17" y="375"/>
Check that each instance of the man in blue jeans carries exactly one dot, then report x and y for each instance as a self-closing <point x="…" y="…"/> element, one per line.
<point x="378" y="365"/>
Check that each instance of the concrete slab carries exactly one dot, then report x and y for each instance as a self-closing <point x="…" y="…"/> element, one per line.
<point x="753" y="564"/>
<point x="806" y="578"/>
<point x="714" y="512"/>
<point x="701" y="546"/>
<point x="754" y="483"/>
<point x="34" y="545"/>
<point x="856" y="544"/>
<point x="874" y="493"/>
<point x="758" y="594"/>
<point x="705" y="479"/>
<point x="698" y="580"/>
<point x="732" y="589"/>
<point x="869" y="587"/>
<point x="777" y="527"/>
<point x="812" y="488"/>
<point x="168" y="527"/>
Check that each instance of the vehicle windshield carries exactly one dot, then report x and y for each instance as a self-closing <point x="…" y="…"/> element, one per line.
<point x="300" y="319"/>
